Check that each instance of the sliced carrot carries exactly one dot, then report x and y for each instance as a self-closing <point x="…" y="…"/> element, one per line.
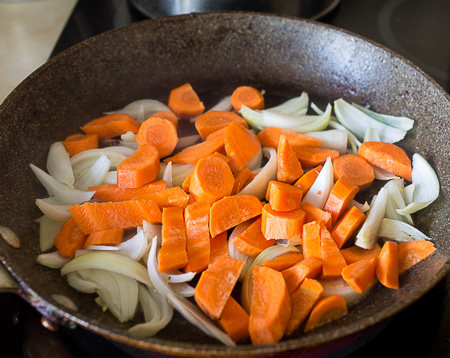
<point x="344" y="229"/>
<point x="219" y="247"/>
<point x="140" y="168"/>
<point x="341" y="195"/>
<point x="387" y="265"/>
<point x="211" y="180"/>
<point x="283" y="262"/>
<point x="218" y="133"/>
<point x="240" y="179"/>
<point x="252" y="241"/>
<point x="212" y="121"/>
<point x="173" y="254"/>
<point x="77" y="143"/>
<point x="70" y="238"/>
<point x="215" y="285"/>
<point x="387" y="156"/>
<point x="125" y="215"/>
<point x="333" y="261"/>
<point x="170" y="116"/>
<point x="185" y="102"/>
<point x="313" y="213"/>
<point x="241" y="145"/>
<point x="355" y="168"/>
<point x="412" y="252"/>
<point x="311" y="240"/>
<point x="159" y="132"/>
<point x="235" y="320"/>
<point x="270" y="306"/>
<point x="248" y="96"/>
<point x="306" y="268"/>
<point x="355" y="253"/>
<point x="283" y="197"/>
<point x="104" y="237"/>
<point x="289" y="168"/>
<point x="360" y="275"/>
<point x="307" y="180"/>
<point x="302" y="302"/>
<point x="270" y="137"/>
<point x="231" y="211"/>
<point x="186" y="183"/>
<point x="220" y="156"/>
<point x="313" y="156"/>
<point x="111" y="126"/>
<point x="191" y="154"/>
<point x="327" y="309"/>
<point x="168" y="197"/>
<point x="111" y="192"/>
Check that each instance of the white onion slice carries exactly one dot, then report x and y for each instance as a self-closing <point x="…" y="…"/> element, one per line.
<point x="167" y="175"/>
<point x="255" y="162"/>
<point x="75" y="280"/>
<point x="362" y="207"/>
<point x="81" y="162"/>
<point x="321" y="188"/>
<point x="293" y="105"/>
<point x="177" y="276"/>
<point x="102" y="248"/>
<point x="339" y="287"/>
<point x="95" y="175"/>
<point x="234" y="252"/>
<point x="400" y="231"/>
<point x="403" y="123"/>
<point x="136" y="247"/>
<point x="110" y="177"/>
<point x="52" y="259"/>
<point x="183" y="289"/>
<point x="54" y="209"/>
<point x="148" y="106"/>
<point x="352" y="140"/>
<point x="371" y="135"/>
<point x="382" y="174"/>
<point x="58" y="164"/>
<point x="48" y="230"/>
<point x="336" y="139"/>
<point x="396" y="201"/>
<point x="408" y="193"/>
<point x="187" y="141"/>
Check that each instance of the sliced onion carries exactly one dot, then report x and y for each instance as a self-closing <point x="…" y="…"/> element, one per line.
<point x="336" y="139"/>
<point x="95" y="175"/>
<point x="253" y="117"/>
<point x="321" y="188"/>
<point x="136" y="247"/>
<point x="167" y="175"/>
<point x="234" y="252"/>
<point x="52" y="259"/>
<point x="408" y="193"/>
<point x="400" y="231"/>
<point x="352" y="140"/>
<point x="339" y="287"/>
<point x="183" y="289"/>
<point x="48" y="230"/>
<point x="58" y="164"/>
<point x="54" y="209"/>
<point x="147" y="106"/>
<point x="371" y="135"/>
<point x="187" y="141"/>
<point x="177" y="276"/>
<point x="179" y="172"/>
<point x="255" y="162"/>
<point x="396" y="201"/>
<point x="129" y="137"/>
<point x="75" y="280"/>
<point x="110" y="178"/>
<point x="382" y="174"/>
<point x="81" y="162"/>
<point x="293" y="105"/>
<point x="223" y="105"/>
<point x="362" y="207"/>
<point x="403" y="123"/>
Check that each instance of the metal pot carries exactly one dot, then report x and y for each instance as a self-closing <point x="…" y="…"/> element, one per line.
<point x="215" y="52"/>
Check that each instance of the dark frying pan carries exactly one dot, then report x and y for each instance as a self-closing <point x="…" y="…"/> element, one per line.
<point x="215" y="52"/>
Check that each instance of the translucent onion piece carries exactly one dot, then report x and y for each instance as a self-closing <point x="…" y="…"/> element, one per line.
<point x="234" y="252"/>
<point x="336" y="139"/>
<point x="382" y="174"/>
<point x="321" y="188"/>
<point x="48" y="230"/>
<point x="124" y="150"/>
<point x="253" y="117"/>
<point x="64" y="193"/>
<point x="52" y="259"/>
<point x="177" y="276"/>
<point x="179" y="172"/>
<point x="149" y="106"/>
<point x="408" y="193"/>
<point x="95" y="175"/>
<point x="167" y="175"/>
<point x="293" y="105"/>
<point x="400" y="231"/>
<point x="81" y="162"/>
<point x="101" y="248"/>
<point x="128" y="137"/>
<point x="255" y="162"/>
<point x="152" y="230"/>
<point x="352" y="140"/>
<point x="75" y="280"/>
<point x="136" y="247"/>
<point x="371" y="135"/>
<point x="54" y="209"/>
<point x="58" y="164"/>
<point x="183" y="289"/>
<point x="362" y="207"/>
<point x="396" y="201"/>
<point x="403" y="123"/>
<point x="426" y="185"/>
<point x="224" y="105"/>
<point x="187" y="141"/>
<point x="339" y="287"/>
<point x="110" y="178"/>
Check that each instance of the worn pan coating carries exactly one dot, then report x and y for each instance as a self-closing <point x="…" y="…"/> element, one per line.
<point x="214" y="52"/>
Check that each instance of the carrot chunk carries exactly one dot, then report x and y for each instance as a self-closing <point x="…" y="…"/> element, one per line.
<point x="77" y="143"/>
<point x="360" y="275"/>
<point x="289" y="168"/>
<point x="283" y="197"/>
<point x="191" y="154"/>
<point x="170" y="116"/>
<point x="70" y="238"/>
<point x="333" y="261"/>
<point x="185" y="102"/>
<point x="326" y="310"/>
<point x="282" y="225"/>
<point x="313" y="213"/>
<point x="283" y="262"/>
<point x="387" y="265"/>
<point x="218" y="247"/>
<point x="355" y="168"/>
<point x="111" y="192"/>
<point x="248" y="96"/>
<point x="168" y="197"/>
<point x="355" y="253"/>
<point x="347" y="226"/>
<point x="311" y="240"/>
<point x="341" y="195"/>
<point x="212" y="121"/>
<point x="240" y="180"/>
<point x="104" y="237"/>
<point x="159" y="132"/>
<point x="111" y="126"/>
<point x="252" y="241"/>
<point x="306" y="268"/>
<point x="270" y="137"/>
<point x="412" y="252"/>
<point x="234" y="320"/>
<point x="307" y="180"/>
<point x="313" y="156"/>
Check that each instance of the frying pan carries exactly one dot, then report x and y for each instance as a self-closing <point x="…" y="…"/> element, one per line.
<point x="215" y="52"/>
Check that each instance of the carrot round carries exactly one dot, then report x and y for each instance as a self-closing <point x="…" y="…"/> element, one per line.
<point x="77" y="143"/>
<point x="212" y="121"/>
<point x="185" y="102"/>
<point x="341" y="195"/>
<point x="289" y="168"/>
<point x="347" y="226"/>
<point x="111" y="126"/>
<point x="248" y="96"/>
<point x="283" y="197"/>
<point x="387" y="265"/>
<point x="104" y="237"/>
<point x="111" y="192"/>
<point x="355" y="168"/>
<point x="160" y="133"/>
<point x="282" y="225"/>
<point x="387" y="156"/>
<point x="412" y="252"/>
<point x="270" y="137"/>
<point x="70" y="238"/>
<point x="326" y="310"/>
<point x="170" y="116"/>
<point x="360" y="275"/>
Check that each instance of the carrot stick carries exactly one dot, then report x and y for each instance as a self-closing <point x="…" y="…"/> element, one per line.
<point x="248" y="96"/>
<point x="313" y="213"/>
<point x="306" y="268"/>
<point x="387" y="156"/>
<point x="241" y="146"/>
<point x="311" y="240"/>
<point x="252" y="241"/>
<point x="347" y="226"/>
<point x="360" y="275"/>
<point x="170" y="116"/>
<point x="185" y="102"/>
<point x="235" y="320"/>
<point x="77" y="143"/>
<point x="104" y="237"/>
<point x="355" y="253"/>
<point x="307" y="180"/>
<point x="70" y="238"/>
<point x="302" y="302"/>
<point x="173" y="254"/>
<point x="231" y="211"/>
<point x="341" y="195"/>
<point x="111" y="126"/>
<point x="289" y="168"/>
<point x="211" y="180"/>
<point x="168" y="197"/>
<point x="160" y="133"/>
<point x="196" y="218"/>
<point x="212" y="121"/>
<point x="313" y="156"/>
<point x="283" y="262"/>
<point x="218" y="133"/>
<point x="138" y="169"/>
<point x="218" y="247"/>
<point x="326" y="310"/>
<point x="333" y="261"/>
<point x="283" y="197"/>
<point x="111" y="192"/>
<point x="412" y="252"/>
<point x="191" y="154"/>
<point x="270" y="306"/>
<point x="240" y="179"/>
<point x="387" y="265"/>
<point x="355" y="168"/>
<point x="270" y="137"/>
<point x="215" y="285"/>
<point x="125" y="215"/>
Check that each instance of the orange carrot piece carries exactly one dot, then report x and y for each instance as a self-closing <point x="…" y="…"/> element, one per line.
<point x="248" y="96"/>
<point x="219" y="247"/>
<point x="282" y="225"/>
<point x="104" y="237"/>
<point x="306" y="268"/>
<point x="341" y="195"/>
<point x="283" y="197"/>
<point x="211" y="180"/>
<point x="127" y="214"/>
<point x="283" y="262"/>
<point x="168" y="197"/>
<point x="173" y="254"/>
<point x="234" y="320"/>
<point x="77" y="143"/>
<point x="231" y="211"/>
<point x="184" y="102"/>
<point x="289" y="168"/>
<point x="252" y="241"/>
<point x="170" y="116"/>
<point x="191" y="154"/>
<point x="387" y="156"/>
<point x="186" y="183"/>
<point x="412" y="252"/>
<point x="215" y="285"/>
<point x="140" y="168"/>
<point x="240" y="179"/>
<point x="220" y="156"/>
<point x="313" y="213"/>
<point x="347" y="226"/>
<point x="387" y="265"/>
<point x="327" y="309"/>
<point x="270" y="137"/>
<point x="360" y="275"/>
<point x="355" y="253"/>
<point x="111" y="126"/>
<point x="70" y="238"/>
<point x="313" y="156"/>
<point x="270" y="306"/>
<point x="212" y="121"/>
<point x="241" y="145"/>
<point x="159" y="132"/>
<point x="111" y="192"/>
<point x="333" y="261"/>
<point x="307" y="180"/>
<point x="355" y="168"/>
<point x="218" y="133"/>
<point x="302" y="302"/>
<point x="311" y="240"/>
